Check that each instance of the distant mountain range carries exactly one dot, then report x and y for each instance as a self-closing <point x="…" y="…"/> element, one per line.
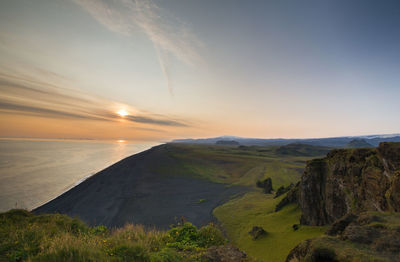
<point x="345" y="141"/>
<point x="357" y="143"/>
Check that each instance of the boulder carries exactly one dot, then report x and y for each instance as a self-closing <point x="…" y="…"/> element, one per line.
<point x="266" y="185"/>
<point x="257" y="232"/>
<point x="225" y="253"/>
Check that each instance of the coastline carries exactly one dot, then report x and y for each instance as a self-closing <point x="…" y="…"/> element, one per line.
<point x="34" y="172"/>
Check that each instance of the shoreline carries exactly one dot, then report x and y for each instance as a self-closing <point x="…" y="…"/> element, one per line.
<point x="80" y="181"/>
<point x="34" y="172"/>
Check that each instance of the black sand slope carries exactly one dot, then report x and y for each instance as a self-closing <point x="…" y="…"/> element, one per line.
<point x="129" y="192"/>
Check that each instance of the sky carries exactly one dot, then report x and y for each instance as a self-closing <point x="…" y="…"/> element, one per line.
<point x="158" y="70"/>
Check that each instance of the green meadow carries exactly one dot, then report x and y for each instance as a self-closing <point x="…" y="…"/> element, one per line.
<point x="238" y="216"/>
<point x="245" y="165"/>
<point x="233" y="165"/>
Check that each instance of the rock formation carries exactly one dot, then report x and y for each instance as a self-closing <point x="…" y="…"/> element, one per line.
<point x="266" y="185"/>
<point x="226" y="253"/>
<point x="357" y="191"/>
<point x="257" y="232"/>
<point x="363" y="237"/>
<point x="282" y="190"/>
<point x="350" y="180"/>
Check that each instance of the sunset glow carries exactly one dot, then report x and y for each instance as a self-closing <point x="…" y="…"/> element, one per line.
<point x="122" y="113"/>
<point x="156" y="70"/>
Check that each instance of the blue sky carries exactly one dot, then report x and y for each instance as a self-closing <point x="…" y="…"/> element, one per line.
<point x="201" y="68"/>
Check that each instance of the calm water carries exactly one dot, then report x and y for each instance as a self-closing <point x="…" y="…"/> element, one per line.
<point x="33" y="172"/>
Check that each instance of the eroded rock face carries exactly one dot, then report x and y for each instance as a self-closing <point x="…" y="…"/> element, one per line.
<point x="226" y="253"/>
<point x="291" y="197"/>
<point x="369" y="236"/>
<point x="350" y="180"/>
<point x="282" y="190"/>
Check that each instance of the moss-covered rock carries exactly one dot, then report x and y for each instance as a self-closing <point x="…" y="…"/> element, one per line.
<point x="363" y="237"/>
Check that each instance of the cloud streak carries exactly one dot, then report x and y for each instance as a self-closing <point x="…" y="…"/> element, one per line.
<point x="169" y="35"/>
<point x="25" y="96"/>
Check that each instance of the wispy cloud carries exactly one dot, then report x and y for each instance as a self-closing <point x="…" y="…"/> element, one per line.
<point x="170" y="36"/>
<point x="25" y="96"/>
<point x="148" y="120"/>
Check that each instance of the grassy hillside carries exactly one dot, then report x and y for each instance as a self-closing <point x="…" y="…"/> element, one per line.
<point x="26" y="237"/>
<point x="257" y="209"/>
<point x="242" y="165"/>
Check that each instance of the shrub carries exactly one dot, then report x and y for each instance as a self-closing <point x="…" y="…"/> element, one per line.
<point x="26" y="237"/>
<point x="100" y="230"/>
<point x="187" y="237"/>
<point x="210" y="235"/>
<point x="127" y="253"/>
<point x="166" y="255"/>
<point x="183" y="237"/>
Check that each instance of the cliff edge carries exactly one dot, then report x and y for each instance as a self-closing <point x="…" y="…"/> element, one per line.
<point x="356" y="192"/>
<point x="350" y="181"/>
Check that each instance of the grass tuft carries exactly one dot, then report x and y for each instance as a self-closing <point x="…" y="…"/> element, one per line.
<point x="26" y="237"/>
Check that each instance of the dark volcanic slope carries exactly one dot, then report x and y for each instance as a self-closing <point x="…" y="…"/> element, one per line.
<point x="129" y="191"/>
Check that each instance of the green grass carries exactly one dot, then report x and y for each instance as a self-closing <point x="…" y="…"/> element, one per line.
<point x="231" y="165"/>
<point x="238" y="216"/>
<point x="26" y="237"/>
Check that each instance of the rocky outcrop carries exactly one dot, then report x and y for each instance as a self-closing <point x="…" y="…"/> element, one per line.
<point x="350" y="181"/>
<point x="266" y="185"/>
<point x="225" y="253"/>
<point x="291" y="197"/>
<point x="257" y="232"/>
<point x="366" y="237"/>
<point x="282" y="190"/>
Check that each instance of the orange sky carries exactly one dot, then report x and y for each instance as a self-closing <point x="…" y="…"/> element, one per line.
<point x="269" y="69"/>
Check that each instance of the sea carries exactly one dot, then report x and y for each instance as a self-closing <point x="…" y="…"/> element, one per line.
<point x="35" y="171"/>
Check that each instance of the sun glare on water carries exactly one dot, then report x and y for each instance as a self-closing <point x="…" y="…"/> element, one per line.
<point x="122" y="113"/>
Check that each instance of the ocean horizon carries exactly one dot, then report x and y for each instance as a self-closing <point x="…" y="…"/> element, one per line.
<point x="35" y="171"/>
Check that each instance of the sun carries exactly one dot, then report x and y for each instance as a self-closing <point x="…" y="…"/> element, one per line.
<point x="122" y="113"/>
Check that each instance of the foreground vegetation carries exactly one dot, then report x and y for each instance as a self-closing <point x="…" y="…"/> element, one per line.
<point x="26" y="237"/>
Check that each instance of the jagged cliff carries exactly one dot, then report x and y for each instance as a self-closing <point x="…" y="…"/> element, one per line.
<point x="357" y="191"/>
<point x="350" y="180"/>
